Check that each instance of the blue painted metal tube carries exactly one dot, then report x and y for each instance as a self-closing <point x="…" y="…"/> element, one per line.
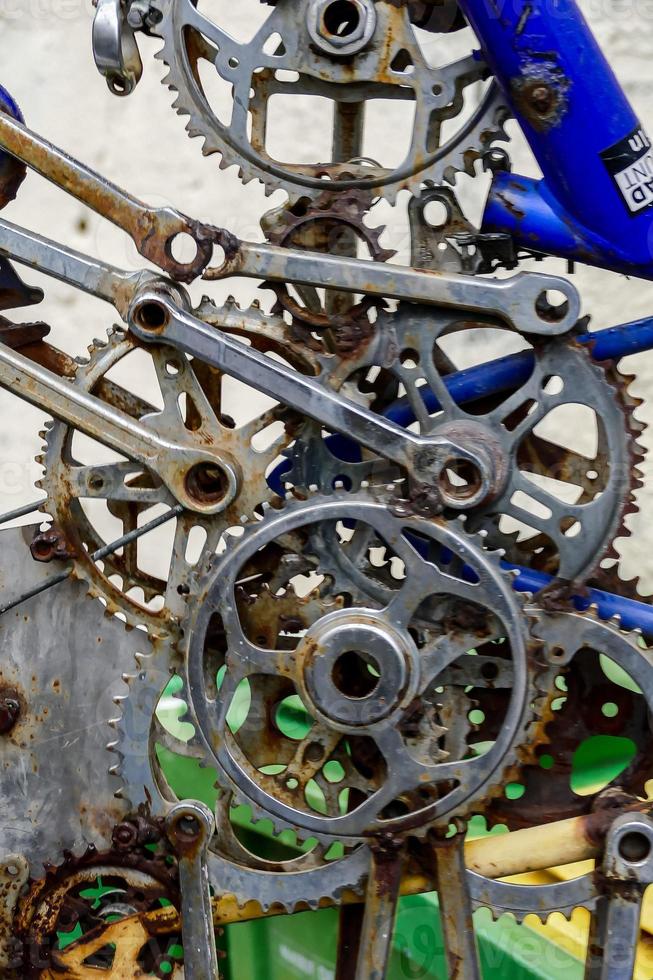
<point x="7" y="163"/>
<point x="526" y="210"/>
<point x="583" y="131"/>
<point x="634" y="615"/>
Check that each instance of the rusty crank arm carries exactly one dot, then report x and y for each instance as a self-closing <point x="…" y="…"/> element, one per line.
<point x="153" y="230"/>
<point x="522" y="300"/>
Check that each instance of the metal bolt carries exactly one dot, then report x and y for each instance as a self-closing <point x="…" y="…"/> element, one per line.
<point x="50" y="545"/>
<point x="341" y="27"/>
<point x="542" y="99"/>
<point x="125" y="836"/>
<point x="9" y="713"/>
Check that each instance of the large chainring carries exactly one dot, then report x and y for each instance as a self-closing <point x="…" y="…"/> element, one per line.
<point x="93" y="496"/>
<point x="563" y="434"/>
<point x="287" y="59"/>
<point x="367" y="678"/>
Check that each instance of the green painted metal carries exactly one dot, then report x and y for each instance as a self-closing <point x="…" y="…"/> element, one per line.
<point x="302" y="946"/>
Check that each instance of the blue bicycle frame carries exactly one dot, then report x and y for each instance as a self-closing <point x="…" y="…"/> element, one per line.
<point x="595" y="201"/>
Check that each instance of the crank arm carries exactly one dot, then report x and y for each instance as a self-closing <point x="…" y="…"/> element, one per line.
<point x="382" y="897"/>
<point x="175" y="464"/>
<point x="520" y="300"/>
<point x="115" y="286"/>
<point x="155" y="317"/>
<point x="152" y="229"/>
<point x="190" y="826"/>
<point x="626" y="874"/>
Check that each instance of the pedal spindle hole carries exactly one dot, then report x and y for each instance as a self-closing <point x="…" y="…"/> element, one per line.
<point x="460" y="480"/>
<point x="356" y="675"/>
<point x="342" y="18"/>
<point x="635" y="847"/>
<point x="207" y="483"/>
<point x="152" y="316"/>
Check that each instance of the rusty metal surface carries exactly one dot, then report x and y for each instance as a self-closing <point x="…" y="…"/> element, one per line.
<point x="14" y="874"/>
<point x="153" y="230"/>
<point x="405" y="782"/>
<point x="416" y="686"/>
<point x="388" y="65"/>
<point x="54" y="760"/>
<point x="103" y="899"/>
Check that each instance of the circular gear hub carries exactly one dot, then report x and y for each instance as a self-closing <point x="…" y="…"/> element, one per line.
<point x="365" y="679"/>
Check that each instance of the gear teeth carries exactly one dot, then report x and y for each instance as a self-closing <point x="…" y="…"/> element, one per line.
<point x="460" y="155"/>
<point x="538" y="688"/>
<point x="100" y="582"/>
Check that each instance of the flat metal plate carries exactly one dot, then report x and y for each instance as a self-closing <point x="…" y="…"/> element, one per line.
<point x="64" y="659"/>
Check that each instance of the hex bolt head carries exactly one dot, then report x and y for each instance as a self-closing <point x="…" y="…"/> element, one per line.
<point x="341" y="28"/>
<point x="125" y="836"/>
<point x="49" y="546"/>
<point x="9" y="713"/>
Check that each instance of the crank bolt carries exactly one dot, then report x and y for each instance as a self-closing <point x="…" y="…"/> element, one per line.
<point x="9" y="713"/>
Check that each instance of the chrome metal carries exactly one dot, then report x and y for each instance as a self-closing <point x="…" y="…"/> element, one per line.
<point x="114" y="47"/>
<point x="519" y="300"/>
<point x="424" y="457"/>
<point x="628" y="871"/>
<point x="190" y="826"/>
<point x="115" y="286"/>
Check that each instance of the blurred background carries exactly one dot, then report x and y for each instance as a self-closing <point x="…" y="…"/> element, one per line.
<point x="140" y="144"/>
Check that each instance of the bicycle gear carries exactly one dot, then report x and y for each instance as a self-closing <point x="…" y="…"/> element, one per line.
<point x="170" y="392"/>
<point x="379" y="704"/>
<point x="386" y="64"/>
<point x="565" y="436"/>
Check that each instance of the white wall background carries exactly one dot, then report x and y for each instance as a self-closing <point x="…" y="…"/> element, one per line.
<point x="140" y="144"/>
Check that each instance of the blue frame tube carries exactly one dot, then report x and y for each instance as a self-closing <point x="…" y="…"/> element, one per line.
<point x="583" y="131"/>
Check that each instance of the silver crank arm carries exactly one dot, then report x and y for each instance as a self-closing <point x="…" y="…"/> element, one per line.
<point x="115" y="286"/>
<point x="171" y="461"/>
<point x="190" y="826"/>
<point x="520" y="300"/>
<point x="155" y="317"/>
<point x="627" y="872"/>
